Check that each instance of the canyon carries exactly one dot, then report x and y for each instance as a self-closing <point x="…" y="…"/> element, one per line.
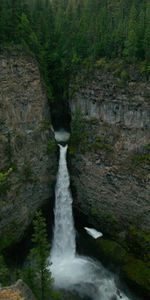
<point x="109" y="164"/>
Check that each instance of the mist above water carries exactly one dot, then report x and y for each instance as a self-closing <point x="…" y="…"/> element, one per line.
<point x="69" y="270"/>
<point x="62" y="136"/>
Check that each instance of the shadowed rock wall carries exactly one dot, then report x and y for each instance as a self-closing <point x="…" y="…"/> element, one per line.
<point x="111" y="176"/>
<point x="27" y="170"/>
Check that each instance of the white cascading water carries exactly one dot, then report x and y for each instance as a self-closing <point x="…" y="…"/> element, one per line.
<point x="70" y="271"/>
<point x="64" y="233"/>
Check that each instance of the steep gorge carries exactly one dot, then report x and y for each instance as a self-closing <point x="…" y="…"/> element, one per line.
<point x="110" y="166"/>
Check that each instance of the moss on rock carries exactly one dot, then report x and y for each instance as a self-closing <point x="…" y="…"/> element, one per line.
<point x="134" y="271"/>
<point x="111" y="250"/>
<point x="137" y="273"/>
<point x="139" y="243"/>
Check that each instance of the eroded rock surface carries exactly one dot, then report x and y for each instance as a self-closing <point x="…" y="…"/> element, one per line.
<point x="111" y="167"/>
<point x="27" y="170"/>
<point x="18" y="291"/>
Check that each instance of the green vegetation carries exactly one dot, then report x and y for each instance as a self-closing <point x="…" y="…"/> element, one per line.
<point x="8" y="239"/>
<point x="79" y="137"/>
<point x="138" y="242"/>
<point x="139" y="163"/>
<point x="99" y="144"/>
<point x="66" y="36"/>
<point x="137" y="273"/>
<point x="111" y="251"/>
<point x="45" y="125"/>
<point x="94" y="212"/>
<point x="140" y="159"/>
<point x="4" y="185"/>
<point x="4" y="272"/>
<point x="4" y="175"/>
<point x="34" y="272"/>
<point x="52" y="146"/>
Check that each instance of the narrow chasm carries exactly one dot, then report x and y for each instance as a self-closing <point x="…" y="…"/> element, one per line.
<point x="60" y="115"/>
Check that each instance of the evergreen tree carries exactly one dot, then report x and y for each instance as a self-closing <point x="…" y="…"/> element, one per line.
<point x="130" y="51"/>
<point x="36" y="273"/>
<point x="68" y="34"/>
<point x="147" y="32"/>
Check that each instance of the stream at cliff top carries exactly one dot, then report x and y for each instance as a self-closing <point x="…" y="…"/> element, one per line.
<point x="70" y="271"/>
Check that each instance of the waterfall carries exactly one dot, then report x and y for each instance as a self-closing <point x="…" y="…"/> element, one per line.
<point x="70" y="271"/>
<point x="64" y="233"/>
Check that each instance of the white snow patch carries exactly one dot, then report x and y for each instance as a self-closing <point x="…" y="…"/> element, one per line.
<point x="93" y="232"/>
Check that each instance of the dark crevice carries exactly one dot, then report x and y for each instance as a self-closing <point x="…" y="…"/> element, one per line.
<point x="60" y="115"/>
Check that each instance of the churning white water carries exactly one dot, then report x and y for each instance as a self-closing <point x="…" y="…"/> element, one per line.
<point x="70" y="271"/>
<point x="64" y="234"/>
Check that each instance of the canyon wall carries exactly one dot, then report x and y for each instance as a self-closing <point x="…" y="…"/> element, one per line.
<point x="111" y="166"/>
<point x="27" y="171"/>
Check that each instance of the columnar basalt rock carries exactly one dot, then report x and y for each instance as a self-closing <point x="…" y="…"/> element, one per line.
<point x="27" y="170"/>
<point x="111" y="176"/>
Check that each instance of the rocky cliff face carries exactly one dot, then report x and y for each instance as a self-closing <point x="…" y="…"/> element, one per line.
<point x="26" y="169"/>
<point x="111" y="168"/>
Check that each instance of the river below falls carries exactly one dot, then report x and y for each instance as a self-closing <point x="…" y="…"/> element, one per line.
<point x="71" y="271"/>
<point x="85" y="277"/>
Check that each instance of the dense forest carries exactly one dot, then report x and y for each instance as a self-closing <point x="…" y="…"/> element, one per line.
<point x="67" y="34"/>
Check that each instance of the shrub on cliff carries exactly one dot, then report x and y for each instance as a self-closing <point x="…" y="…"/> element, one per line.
<point x="79" y="135"/>
<point x="35" y="273"/>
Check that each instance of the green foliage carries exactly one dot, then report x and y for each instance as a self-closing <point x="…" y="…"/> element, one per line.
<point x="101" y="63"/>
<point x="140" y="159"/>
<point x="147" y="147"/>
<point x="99" y="144"/>
<point x="131" y="42"/>
<point x="4" y="185"/>
<point x="3" y="176"/>
<point x="94" y="212"/>
<point x="76" y="130"/>
<point x="52" y="146"/>
<point x="134" y="270"/>
<point x="56" y="295"/>
<point x="79" y="137"/>
<point x="35" y="273"/>
<point x="124" y="75"/>
<point x="111" y="250"/>
<point x="138" y="273"/>
<point x="144" y="69"/>
<point x="139" y="243"/>
<point x="66" y="36"/>
<point x="35" y="270"/>
<point x="45" y="125"/>
<point x="8" y="239"/>
<point x="4" y="272"/>
<point x="147" y="32"/>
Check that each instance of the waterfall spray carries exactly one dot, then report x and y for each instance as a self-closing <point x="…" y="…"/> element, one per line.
<point x="70" y="271"/>
<point x="64" y="234"/>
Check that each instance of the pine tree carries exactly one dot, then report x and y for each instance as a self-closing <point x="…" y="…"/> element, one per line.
<point x="147" y="33"/>
<point x="36" y="273"/>
<point x="130" y="50"/>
